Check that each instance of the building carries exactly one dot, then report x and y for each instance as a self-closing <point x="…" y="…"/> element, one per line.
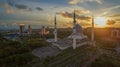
<point x="22" y="29"/>
<point x="44" y="31"/>
<point x="76" y="39"/>
<point x="12" y="37"/>
<point x="29" y="29"/>
<point x="115" y="33"/>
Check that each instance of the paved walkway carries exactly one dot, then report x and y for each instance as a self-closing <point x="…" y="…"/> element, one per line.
<point x="44" y="52"/>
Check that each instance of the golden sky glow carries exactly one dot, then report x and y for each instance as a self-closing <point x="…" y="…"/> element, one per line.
<point x="40" y="13"/>
<point x="100" y="21"/>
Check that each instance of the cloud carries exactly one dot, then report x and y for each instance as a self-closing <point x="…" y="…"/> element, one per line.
<point x="11" y="7"/>
<point x="70" y="24"/>
<point x="116" y="15"/>
<point x="39" y="9"/>
<point x="117" y="19"/>
<point x="4" y="5"/>
<point x="18" y="6"/>
<point x="108" y="11"/>
<point x="70" y="15"/>
<point x="74" y="2"/>
<point x="110" y="22"/>
<point x="21" y="6"/>
<point x="82" y="11"/>
<point x="8" y="8"/>
<point x="114" y="7"/>
<point x="11" y="2"/>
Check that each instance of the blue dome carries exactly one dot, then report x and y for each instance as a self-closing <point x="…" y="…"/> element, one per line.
<point x="78" y="28"/>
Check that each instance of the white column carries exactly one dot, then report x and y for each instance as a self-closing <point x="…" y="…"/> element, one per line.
<point x="74" y="43"/>
<point x="55" y="32"/>
<point x="92" y="33"/>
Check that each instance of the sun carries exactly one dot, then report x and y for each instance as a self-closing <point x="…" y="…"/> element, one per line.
<point x="100" y="21"/>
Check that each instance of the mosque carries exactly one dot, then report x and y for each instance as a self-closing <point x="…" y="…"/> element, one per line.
<point x="76" y="39"/>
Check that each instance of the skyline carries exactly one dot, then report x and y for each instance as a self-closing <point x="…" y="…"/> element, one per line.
<point x="39" y="13"/>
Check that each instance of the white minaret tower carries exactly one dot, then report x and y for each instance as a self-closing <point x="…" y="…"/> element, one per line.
<point x="55" y="29"/>
<point x="92" y="33"/>
<point x="74" y="31"/>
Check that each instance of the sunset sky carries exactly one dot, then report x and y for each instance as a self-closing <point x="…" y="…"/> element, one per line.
<point x="41" y="12"/>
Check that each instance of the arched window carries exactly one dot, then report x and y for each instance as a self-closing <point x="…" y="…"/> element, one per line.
<point x="114" y="33"/>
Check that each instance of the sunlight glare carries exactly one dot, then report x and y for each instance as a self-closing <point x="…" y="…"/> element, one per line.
<point x="100" y="21"/>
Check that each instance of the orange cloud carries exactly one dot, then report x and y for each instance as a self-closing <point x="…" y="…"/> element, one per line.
<point x="4" y="5"/>
<point x="8" y="8"/>
<point x="116" y="15"/>
<point x="74" y="2"/>
<point x="82" y="11"/>
<point x="78" y="17"/>
<point x="110" y="22"/>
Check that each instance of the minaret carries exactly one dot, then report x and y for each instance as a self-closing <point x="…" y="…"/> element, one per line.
<point x="29" y="29"/>
<point x="92" y="33"/>
<point x="74" y="22"/>
<point x="74" y="31"/>
<point x="55" y="29"/>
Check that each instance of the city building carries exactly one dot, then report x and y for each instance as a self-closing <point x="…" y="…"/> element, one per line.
<point x="29" y="29"/>
<point x="43" y="31"/>
<point x="22" y="29"/>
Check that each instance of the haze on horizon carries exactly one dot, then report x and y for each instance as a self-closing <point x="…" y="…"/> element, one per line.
<point x="41" y="12"/>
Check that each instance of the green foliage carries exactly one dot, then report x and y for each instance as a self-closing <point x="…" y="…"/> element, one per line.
<point x="18" y="54"/>
<point x="18" y="60"/>
<point x="107" y="45"/>
<point x="106" y="61"/>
